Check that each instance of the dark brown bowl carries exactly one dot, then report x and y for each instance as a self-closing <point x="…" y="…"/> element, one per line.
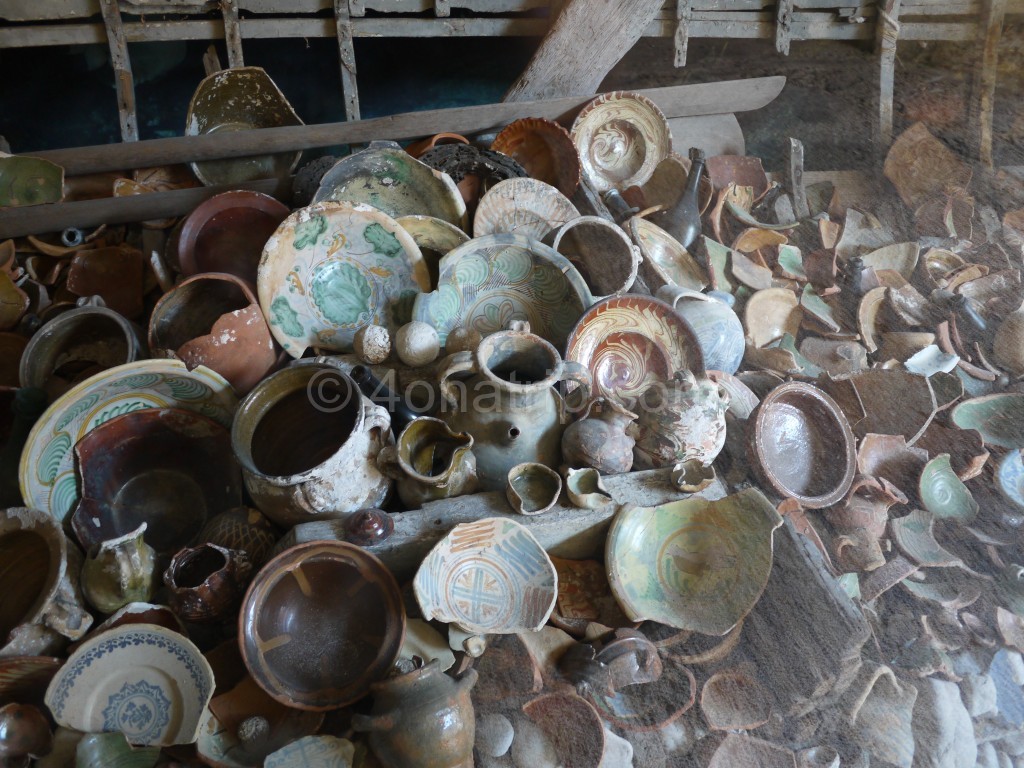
<point x="800" y="444"/>
<point x="320" y="623"/>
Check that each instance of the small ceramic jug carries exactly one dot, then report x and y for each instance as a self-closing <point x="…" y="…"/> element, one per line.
<point x="429" y="461"/>
<point x="599" y="439"/>
<point x="508" y="402"/>
<point x="206" y="583"/>
<point x="119" y="572"/>
<point x="682" y="419"/>
<point x="717" y="326"/>
<point x="423" y="719"/>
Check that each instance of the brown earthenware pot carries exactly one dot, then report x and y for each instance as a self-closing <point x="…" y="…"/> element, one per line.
<point x="205" y="584"/>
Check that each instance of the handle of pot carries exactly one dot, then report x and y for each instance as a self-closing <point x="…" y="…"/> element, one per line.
<point x="577" y="399"/>
<point x="372" y="722"/>
<point x="387" y="461"/>
<point x="671" y="294"/>
<point x="467" y="679"/>
<point x="376" y="416"/>
<point x="460" y="362"/>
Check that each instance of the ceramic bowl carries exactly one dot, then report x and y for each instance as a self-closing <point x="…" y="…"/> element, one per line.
<point x="435" y="238"/>
<point x="304" y="646"/>
<point x="488" y="577"/>
<point x="665" y="261"/>
<point x="544" y="149"/>
<point x="533" y="488"/>
<point x="694" y="564"/>
<point x="996" y="417"/>
<point x="391" y="180"/>
<point x="621" y="138"/>
<point x="801" y="444"/>
<point x="24" y="678"/>
<point x="490" y="281"/>
<point x="169" y="468"/>
<point x="522" y="207"/>
<point x="601" y="252"/>
<point x="770" y="314"/>
<point x="1010" y="478"/>
<point x="227" y="232"/>
<point x="331" y="269"/>
<point x="46" y="472"/>
<point x="240" y="99"/>
<point x="665" y="187"/>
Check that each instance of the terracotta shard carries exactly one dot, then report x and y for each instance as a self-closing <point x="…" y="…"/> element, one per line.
<point x="745" y="750"/>
<point x="545" y="149"/>
<point x="896" y="403"/>
<point x="966" y="449"/>
<point x="735" y="700"/>
<point x="572" y="725"/>
<point x="113" y="274"/>
<point x="889" y="457"/>
<point x="739" y="170"/>
<point x="922" y="167"/>
<point x="14" y="302"/>
<point x="239" y="347"/>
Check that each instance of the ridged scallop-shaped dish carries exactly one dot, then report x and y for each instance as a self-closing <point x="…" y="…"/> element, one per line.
<point x="545" y="149"/>
<point x="522" y="206"/>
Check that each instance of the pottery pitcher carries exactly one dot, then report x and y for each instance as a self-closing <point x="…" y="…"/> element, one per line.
<point x="429" y="461"/>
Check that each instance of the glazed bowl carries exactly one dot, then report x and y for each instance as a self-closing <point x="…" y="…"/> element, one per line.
<point x="306" y="647"/>
<point x="601" y="252"/>
<point x="544" y="149"/>
<point x="435" y="238"/>
<point x="533" y="488"/>
<point x="522" y="207"/>
<point x="665" y="261"/>
<point x="488" y="577"/>
<point x="227" y="232"/>
<point x="801" y="445"/>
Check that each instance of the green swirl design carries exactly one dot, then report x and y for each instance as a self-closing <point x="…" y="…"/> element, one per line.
<point x="514" y="263"/>
<point x="64" y="496"/>
<point x="52" y="456"/>
<point x="446" y="306"/>
<point x="341" y="293"/>
<point x="78" y="409"/>
<point x="548" y="283"/>
<point x="141" y="380"/>
<point x="185" y="388"/>
<point x="118" y="408"/>
<point x="471" y="271"/>
<point x="307" y="232"/>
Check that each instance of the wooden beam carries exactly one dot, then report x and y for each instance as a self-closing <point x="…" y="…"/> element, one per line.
<point x="674" y="101"/>
<point x="442" y="8"/>
<point x="887" y="33"/>
<point x="347" y="58"/>
<point x="588" y="38"/>
<point x="684" y="12"/>
<point x="795" y="179"/>
<point x="990" y="34"/>
<point x="783" y="26"/>
<point x="232" y="32"/>
<point x="122" y="64"/>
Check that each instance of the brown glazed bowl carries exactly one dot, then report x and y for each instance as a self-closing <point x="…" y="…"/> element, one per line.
<point x="320" y="623"/>
<point x="800" y="443"/>
<point x="545" y="149"/>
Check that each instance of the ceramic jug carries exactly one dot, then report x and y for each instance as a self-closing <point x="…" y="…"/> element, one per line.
<point x="120" y="572"/>
<point x="206" y="583"/>
<point x="508" y="402"/>
<point x="599" y="438"/>
<point x="423" y="719"/>
<point x="429" y="461"/>
<point x="717" y="326"/>
<point x="307" y="440"/>
<point x="679" y="420"/>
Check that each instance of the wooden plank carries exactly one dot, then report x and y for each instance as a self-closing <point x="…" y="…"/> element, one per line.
<point x="990" y="33"/>
<point x="715" y="134"/>
<point x="674" y="101"/>
<point x="887" y="33"/>
<point x="347" y="59"/>
<point x="232" y="32"/>
<point x="562" y="66"/>
<point x="684" y="12"/>
<point x="122" y="64"/>
<point x="795" y="179"/>
<point x="442" y="8"/>
<point x="783" y="26"/>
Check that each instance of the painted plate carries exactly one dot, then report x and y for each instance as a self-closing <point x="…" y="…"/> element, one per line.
<point x="490" y="281"/>
<point x="631" y="343"/>
<point x="332" y="268"/>
<point x="621" y="138"/>
<point x="489" y="577"/>
<point x="145" y="681"/>
<point x="47" y="472"/>
<point x="522" y="206"/>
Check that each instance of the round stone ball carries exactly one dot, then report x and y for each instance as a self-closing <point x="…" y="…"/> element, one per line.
<point x="417" y="344"/>
<point x="372" y="344"/>
<point x="462" y="339"/>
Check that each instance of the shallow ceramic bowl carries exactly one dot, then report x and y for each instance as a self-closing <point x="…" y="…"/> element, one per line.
<point x="148" y="682"/>
<point x="694" y="564"/>
<point x="621" y="138"/>
<point x="544" y="149"/>
<point x="601" y="251"/>
<point x="435" y="238"/>
<point x="665" y="261"/>
<point x="522" y="207"/>
<point x="533" y="488"/>
<point x="169" y="468"/>
<point x="227" y="232"/>
<point x="996" y="417"/>
<point x="393" y="181"/>
<point x="307" y="646"/>
<point x="240" y="99"/>
<point x="801" y="444"/>
<point x="490" y="281"/>
<point x="46" y="473"/>
<point x="488" y="577"/>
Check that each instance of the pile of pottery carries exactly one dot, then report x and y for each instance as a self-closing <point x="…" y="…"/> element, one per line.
<point x="421" y="474"/>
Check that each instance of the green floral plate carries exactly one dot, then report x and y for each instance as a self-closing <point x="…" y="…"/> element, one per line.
<point x="492" y="280"/>
<point x="47" y="472"/>
<point x="331" y="269"/>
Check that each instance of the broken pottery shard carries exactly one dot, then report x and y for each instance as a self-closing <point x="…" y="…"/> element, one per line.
<point x="922" y="167"/>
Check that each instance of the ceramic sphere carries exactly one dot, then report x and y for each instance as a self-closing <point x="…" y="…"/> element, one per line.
<point x="372" y="344"/>
<point x="462" y="339"/>
<point x="417" y="344"/>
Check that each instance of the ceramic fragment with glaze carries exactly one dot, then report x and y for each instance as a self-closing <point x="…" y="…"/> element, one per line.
<point x="430" y="461"/>
<point x="664" y="260"/>
<point x="717" y="326"/>
<point x="119" y="572"/>
<point x="601" y="252"/>
<point x="533" y="488"/>
<point x="599" y="438"/>
<point x="314" y="752"/>
<point x="585" y="489"/>
<point x="522" y="206"/>
<point x="943" y="493"/>
<point x="996" y="417"/>
<point x="544" y="148"/>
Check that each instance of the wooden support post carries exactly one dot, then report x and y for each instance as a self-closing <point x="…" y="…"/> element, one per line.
<point x="887" y="33"/>
<point x="991" y="32"/>
<point x="442" y="8"/>
<point x="211" y="61"/>
<point x="232" y="32"/>
<point x="357" y="8"/>
<point x="347" y="56"/>
<point x="796" y="180"/>
<point x="122" y="70"/>
<point x="684" y="11"/>
<point x="783" y="26"/>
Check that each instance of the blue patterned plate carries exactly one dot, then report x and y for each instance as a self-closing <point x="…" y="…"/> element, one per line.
<point x="142" y="680"/>
<point x="47" y="473"/>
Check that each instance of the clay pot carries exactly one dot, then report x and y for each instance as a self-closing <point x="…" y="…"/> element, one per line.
<point x="718" y="328"/>
<point x="307" y="440"/>
<point x="600" y="438"/>
<point x="429" y="461"/>
<point x="119" y="572"/>
<point x="601" y="252"/>
<point x="683" y="419"/>
<point x="533" y="488"/>
<point x="24" y="734"/>
<point x="245" y="529"/>
<point x="423" y="719"/>
<point x="509" y="404"/>
<point x="206" y="583"/>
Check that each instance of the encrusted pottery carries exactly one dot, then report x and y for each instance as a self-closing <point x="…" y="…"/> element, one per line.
<point x="46" y="473"/>
<point x="621" y="138"/>
<point x="630" y="343"/>
<point x="522" y="206"/>
<point x="491" y="281"/>
<point x="489" y="577"/>
<point x="206" y="583"/>
<point x="718" y="328"/>
<point x="119" y="572"/>
<point x="533" y="488"/>
<point x="429" y="461"/>
<point x="332" y="268"/>
<point x="313" y="752"/>
<point x="509" y="401"/>
<point x="693" y="564"/>
<point x="291" y="616"/>
<point x="245" y="529"/>
<point x="600" y="438"/>
<point x="681" y="419"/>
<point x="147" y="682"/>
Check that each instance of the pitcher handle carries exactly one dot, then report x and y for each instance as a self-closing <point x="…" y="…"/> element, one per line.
<point x="576" y="399"/>
<point x="376" y="416"/>
<point x="671" y="294"/>
<point x="460" y="362"/>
